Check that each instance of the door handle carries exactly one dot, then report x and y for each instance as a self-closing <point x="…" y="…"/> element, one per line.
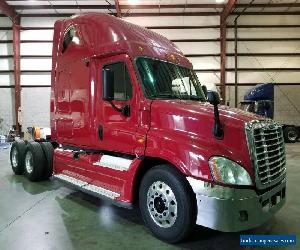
<point x="100" y="132"/>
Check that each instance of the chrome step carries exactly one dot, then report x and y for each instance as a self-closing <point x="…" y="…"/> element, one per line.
<point x="86" y="187"/>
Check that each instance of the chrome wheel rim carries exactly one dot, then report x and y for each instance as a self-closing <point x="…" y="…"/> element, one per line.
<point x="292" y="135"/>
<point x="14" y="157"/>
<point x="28" y="162"/>
<point x="162" y="204"/>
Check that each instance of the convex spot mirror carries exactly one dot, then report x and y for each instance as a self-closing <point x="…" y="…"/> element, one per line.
<point x="204" y="89"/>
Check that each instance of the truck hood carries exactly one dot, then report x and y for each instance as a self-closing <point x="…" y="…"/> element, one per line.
<point x="203" y="112"/>
<point x="193" y="122"/>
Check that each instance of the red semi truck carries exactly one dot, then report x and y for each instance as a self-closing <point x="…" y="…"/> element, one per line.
<point x="131" y="123"/>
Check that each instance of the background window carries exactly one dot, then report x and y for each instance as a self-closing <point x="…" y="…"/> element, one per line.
<point x="122" y="82"/>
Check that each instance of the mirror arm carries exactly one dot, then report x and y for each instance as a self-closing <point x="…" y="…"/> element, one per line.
<point x="124" y="110"/>
<point x="218" y="129"/>
<point x="115" y="107"/>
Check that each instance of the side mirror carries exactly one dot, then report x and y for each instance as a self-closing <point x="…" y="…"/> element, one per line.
<point x="213" y="98"/>
<point x="204" y="89"/>
<point x="108" y="85"/>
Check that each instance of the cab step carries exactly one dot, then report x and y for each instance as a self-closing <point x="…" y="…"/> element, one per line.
<point x="92" y="189"/>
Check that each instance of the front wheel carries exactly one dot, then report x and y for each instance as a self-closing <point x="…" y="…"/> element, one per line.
<point x="167" y="203"/>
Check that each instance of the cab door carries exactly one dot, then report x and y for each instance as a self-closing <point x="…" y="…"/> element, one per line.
<point x="117" y="119"/>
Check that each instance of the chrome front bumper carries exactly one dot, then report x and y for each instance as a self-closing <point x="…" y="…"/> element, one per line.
<point x="231" y="209"/>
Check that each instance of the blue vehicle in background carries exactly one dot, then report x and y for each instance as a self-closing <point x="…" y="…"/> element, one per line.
<point x="271" y="101"/>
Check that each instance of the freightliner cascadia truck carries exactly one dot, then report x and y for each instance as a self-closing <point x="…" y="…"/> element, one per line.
<point x="282" y="105"/>
<point x="131" y="123"/>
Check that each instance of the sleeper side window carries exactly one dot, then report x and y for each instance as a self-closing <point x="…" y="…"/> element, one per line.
<point x="122" y="81"/>
<point x="70" y="36"/>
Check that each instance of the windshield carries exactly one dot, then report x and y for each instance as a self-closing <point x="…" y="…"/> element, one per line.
<point x="165" y="80"/>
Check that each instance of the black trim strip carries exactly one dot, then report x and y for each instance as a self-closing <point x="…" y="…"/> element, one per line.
<point x="98" y="151"/>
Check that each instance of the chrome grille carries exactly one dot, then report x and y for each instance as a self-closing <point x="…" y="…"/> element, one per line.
<point x="266" y="147"/>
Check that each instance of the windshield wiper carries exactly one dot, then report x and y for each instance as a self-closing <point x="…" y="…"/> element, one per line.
<point x="192" y="97"/>
<point x="198" y="98"/>
<point x="171" y="96"/>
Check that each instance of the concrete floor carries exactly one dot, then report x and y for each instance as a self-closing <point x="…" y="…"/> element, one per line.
<point x="47" y="215"/>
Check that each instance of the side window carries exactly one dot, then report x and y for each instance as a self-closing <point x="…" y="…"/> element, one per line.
<point x="122" y="82"/>
<point x="70" y="36"/>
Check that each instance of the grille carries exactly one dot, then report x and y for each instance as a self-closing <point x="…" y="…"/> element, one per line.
<point x="266" y="147"/>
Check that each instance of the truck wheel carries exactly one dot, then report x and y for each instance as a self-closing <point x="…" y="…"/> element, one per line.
<point x="35" y="161"/>
<point x="17" y="156"/>
<point x="48" y="152"/>
<point x="167" y="204"/>
<point x="290" y="134"/>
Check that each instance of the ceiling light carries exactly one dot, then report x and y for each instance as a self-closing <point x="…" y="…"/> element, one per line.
<point x="133" y="2"/>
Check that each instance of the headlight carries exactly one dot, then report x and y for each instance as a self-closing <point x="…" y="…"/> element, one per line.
<point x="228" y="172"/>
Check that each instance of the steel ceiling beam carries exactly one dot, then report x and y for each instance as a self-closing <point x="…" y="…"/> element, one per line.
<point x="225" y="13"/>
<point x="209" y="6"/>
<point x="9" y="11"/>
<point x="227" y="9"/>
<point x="184" y="27"/>
<point x="118" y="9"/>
<point x="61" y="7"/>
<point x="13" y="15"/>
<point x="151" y="14"/>
<point x="156" y="6"/>
<point x="17" y="75"/>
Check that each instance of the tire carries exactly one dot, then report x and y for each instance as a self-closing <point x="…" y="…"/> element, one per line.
<point x="170" y="210"/>
<point x="35" y="162"/>
<point x="290" y="134"/>
<point x="17" y="157"/>
<point x="48" y="152"/>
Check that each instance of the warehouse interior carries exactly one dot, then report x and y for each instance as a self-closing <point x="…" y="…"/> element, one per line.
<point x="233" y="45"/>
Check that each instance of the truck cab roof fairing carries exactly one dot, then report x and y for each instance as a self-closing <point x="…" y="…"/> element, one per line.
<point x="118" y="36"/>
